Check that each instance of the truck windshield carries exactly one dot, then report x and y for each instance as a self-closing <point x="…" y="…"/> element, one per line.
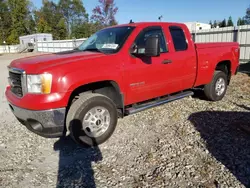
<point x="108" y="40"/>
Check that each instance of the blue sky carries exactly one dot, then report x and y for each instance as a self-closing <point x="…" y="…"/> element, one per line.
<point x="172" y="10"/>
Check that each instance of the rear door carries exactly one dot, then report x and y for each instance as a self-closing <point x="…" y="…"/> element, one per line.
<point x="182" y="54"/>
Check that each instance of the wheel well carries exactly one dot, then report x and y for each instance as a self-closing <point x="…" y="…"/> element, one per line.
<point x="107" y="88"/>
<point x="225" y="66"/>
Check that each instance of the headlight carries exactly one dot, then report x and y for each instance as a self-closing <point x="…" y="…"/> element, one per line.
<point x="39" y="83"/>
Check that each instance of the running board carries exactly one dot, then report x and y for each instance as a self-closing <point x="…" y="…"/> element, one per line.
<point x="170" y="98"/>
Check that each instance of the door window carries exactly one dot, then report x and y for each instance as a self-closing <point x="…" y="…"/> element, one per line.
<point x="140" y="41"/>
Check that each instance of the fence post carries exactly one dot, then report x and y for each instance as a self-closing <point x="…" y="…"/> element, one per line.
<point x="238" y="37"/>
<point x="238" y="34"/>
<point x="36" y="45"/>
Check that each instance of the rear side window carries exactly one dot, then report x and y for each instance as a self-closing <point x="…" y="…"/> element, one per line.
<point x="179" y="39"/>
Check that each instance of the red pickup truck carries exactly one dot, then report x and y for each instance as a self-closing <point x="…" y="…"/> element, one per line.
<point x="116" y="72"/>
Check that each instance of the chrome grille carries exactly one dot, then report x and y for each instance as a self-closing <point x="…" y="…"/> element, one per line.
<point x="15" y="81"/>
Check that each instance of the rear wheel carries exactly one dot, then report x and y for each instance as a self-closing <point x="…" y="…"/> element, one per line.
<point x="91" y="119"/>
<point x="216" y="90"/>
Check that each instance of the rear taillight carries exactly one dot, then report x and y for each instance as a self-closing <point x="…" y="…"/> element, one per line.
<point x="237" y="53"/>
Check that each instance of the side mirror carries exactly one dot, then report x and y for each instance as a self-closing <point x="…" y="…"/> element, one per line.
<point x="152" y="48"/>
<point x="134" y="49"/>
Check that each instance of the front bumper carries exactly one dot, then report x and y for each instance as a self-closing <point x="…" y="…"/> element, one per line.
<point x="46" y="123"/>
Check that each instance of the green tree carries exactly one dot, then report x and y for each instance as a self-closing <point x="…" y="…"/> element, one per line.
<point x="223" y="23"/>
<point x="19" y="12"/>
<point x="43" y="26"/>
<point x="73" y="12"/>
<point x="49" y="19"/>
<point x="82" y="30"/>
<point x="85" y="29"/>
<point x="243" y="22"/>
<point x="247" y="16"/>
<point x="30" y="24"/>
<point x="95" y="26"/>
<point x="5" y="21"/>
<point x="210" y="23"/>
<point x="61" y="29"/>
<point x="104" y="13"/>
<point x="230" y="22"/>
<point x="215" y="24"/>
<point x="240" y="22"/>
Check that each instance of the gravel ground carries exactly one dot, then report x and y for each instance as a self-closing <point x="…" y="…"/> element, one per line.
<point x="186" y="143"/>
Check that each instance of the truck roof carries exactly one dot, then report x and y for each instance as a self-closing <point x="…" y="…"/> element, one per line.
<point x="145" y="24"/>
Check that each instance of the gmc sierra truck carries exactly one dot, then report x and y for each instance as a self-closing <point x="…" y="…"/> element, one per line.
<point x="118" y="71"/>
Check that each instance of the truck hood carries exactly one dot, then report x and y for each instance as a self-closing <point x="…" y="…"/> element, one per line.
<point x="35" y="64"/>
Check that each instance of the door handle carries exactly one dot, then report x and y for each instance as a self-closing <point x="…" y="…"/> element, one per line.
<point x="167" y="61"/>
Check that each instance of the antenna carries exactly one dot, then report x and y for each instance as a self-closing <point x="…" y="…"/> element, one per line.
<point x="131" y="21"/>
<point x="160" y="17"/>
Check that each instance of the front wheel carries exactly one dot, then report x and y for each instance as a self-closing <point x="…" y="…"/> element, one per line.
<point x="91" y="119"/>
<point x="216" y="90"/>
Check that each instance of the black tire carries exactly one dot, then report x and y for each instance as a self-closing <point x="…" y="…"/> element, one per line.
<point x="210" y="89"/>
<point x="77" y="112"/>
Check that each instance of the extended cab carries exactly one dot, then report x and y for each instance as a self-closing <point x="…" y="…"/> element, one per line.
<point x="118" y="71"/>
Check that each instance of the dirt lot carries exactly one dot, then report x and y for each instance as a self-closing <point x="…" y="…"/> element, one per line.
<point x="187" y="143"/>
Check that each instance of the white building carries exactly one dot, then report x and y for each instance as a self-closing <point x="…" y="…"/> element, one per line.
<point x="24" y="40"/>
<point x="195" y="26"/>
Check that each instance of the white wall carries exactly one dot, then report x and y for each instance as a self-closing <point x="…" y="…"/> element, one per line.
<point x="35" y="37"/>
<point x="192" y="26"/>
<point x="44" y="46"/>
<point x="58" y="45"/>
<point x="239" y="34"/>
<point x="9" y="49"/>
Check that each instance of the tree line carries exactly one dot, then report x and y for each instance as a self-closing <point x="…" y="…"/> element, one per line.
<point x="64" y="20"/>
<point x="229" y="23"/>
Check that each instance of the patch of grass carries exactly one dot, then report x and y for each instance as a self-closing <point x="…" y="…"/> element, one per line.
<point x="149" y="157"/>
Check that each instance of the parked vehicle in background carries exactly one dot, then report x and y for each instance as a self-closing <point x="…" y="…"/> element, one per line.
<point x="118" y="71"/>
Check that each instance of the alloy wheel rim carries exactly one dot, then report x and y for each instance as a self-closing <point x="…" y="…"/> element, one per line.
<point x="96" y="121"/>
<point x="220" y="86"/>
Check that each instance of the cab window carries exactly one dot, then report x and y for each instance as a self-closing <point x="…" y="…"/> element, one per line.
<point x="140" y="41"/>
<point x="179" y="39"/>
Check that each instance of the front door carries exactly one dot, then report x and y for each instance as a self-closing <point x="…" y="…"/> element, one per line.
<point x="150" y="77"/>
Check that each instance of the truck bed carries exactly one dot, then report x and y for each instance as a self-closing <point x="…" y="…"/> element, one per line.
<point x="215" y="44"/>
<point x="208" y="56"/>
